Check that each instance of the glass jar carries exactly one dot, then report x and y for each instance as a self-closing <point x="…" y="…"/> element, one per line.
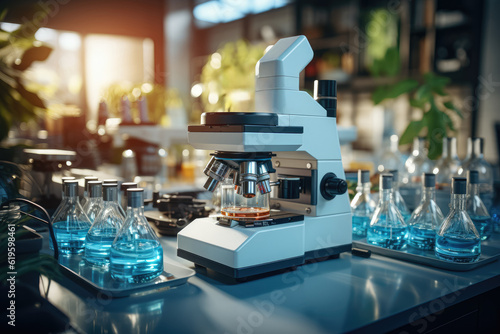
<point x="235" y="205"/>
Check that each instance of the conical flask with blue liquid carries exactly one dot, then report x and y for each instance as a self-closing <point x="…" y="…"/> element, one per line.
<point x="457" y="239"/>
<point x="362" y="205"/>
<point x="70" y="223"/>
<point x="105" y="228"/>
<point x="476" y="209"/>
<point x="136" y="254"/>
<point x="387" y="226"/>
<point x="426" y="218"/>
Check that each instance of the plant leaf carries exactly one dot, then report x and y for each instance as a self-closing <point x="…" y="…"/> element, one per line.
<point x="412" y="131"/>
<point x="451" y="106"/>
<point x="35" y="53"/>
<point x="393" y="91"/>
<point x="448" y="121"/>
<point x="423" y="93"/>
<point x="31" y="97"/>
<point x="417" y="104"/>
<point x="436" y="130"/>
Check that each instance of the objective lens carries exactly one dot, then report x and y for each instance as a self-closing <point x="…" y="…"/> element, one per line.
<point x="263" y="180"/>
<point x="248" y="178"/>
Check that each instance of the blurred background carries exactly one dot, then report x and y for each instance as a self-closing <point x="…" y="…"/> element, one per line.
<point x="117" y="81"/>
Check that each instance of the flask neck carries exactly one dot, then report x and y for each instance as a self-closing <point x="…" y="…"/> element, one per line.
<point x="477" y="148"/>
<point x="458" y="201"/>
<point x="429" y="194"/>
<point x="366" y="188"/>
<point x="450" y="149"/>
<point x="132" y="211"/>
<point x="473" y="189"/>
<point x="418" y="147"/>
<point x="71" y="199"/>
<point x="385" y="195"/>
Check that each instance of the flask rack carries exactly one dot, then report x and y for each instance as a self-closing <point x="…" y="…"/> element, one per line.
<point x="98" y="278"/>
<point x="490" y="252"/>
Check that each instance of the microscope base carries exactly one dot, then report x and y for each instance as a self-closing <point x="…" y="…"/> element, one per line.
<point x="240" y="252"/>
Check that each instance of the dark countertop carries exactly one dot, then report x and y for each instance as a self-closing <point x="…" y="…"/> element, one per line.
<point x="347" y="294"/>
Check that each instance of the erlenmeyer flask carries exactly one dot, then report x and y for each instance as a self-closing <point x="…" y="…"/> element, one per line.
<point x="427" y="217"/>
<point x="71" y="224"/>
<point x="398" y="199"/>
<point x="136" y="254"/>
<point x="476" y="209"/>
<point x="362" y="205"/>
<point x="457" y="239"/>
<point x="387" y="227"/>
<point x="105" y="228"/>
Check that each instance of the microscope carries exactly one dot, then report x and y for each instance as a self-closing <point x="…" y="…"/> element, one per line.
<point x="283" y="190"/>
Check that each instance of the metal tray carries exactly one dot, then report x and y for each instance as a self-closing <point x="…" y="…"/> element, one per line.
<point x="100" y="280"/>
<point x="490" y="252"/>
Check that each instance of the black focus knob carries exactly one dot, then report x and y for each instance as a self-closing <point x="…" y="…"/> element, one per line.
<point x="332" y="186"/>
<point x="289" y="188"/>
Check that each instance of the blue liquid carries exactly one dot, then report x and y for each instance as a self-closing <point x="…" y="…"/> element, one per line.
<point x="359" y="225"/>
<point x="406" y="216"/>
<point x="495" y="218"/>
<point x="98" y="246"/>
<point x="70" y="241"/>
<point x="387" y="237"/>
<point x="455" y="249"/>
<point x="421" y="238"/>
<point x="137" y="261"/>
<point x="483" y="226"/>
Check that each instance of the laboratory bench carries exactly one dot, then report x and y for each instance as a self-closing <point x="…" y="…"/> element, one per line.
<point x="348" y="294"/>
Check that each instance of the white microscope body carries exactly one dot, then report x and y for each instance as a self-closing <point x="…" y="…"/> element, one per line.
<point x="312" y="154"/>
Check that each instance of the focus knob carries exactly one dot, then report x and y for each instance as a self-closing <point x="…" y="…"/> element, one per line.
<point x="331" y="186"/>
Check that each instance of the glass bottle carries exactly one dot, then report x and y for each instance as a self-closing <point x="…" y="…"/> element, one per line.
<point x="85" y="196"/>
<point x="362" y="205"/>
<point x="390" y="157"/>
<point x="427" y="217"/>
<point x="477" y="162"/>
<point x="63" y="196"/>
<point x="136" y="254"/>
<point x="105" y="228"/>
<point x="123" y="194"/>
<point x="387" y="226"/>
<point x="398" y="199"/>
<point x="71" y="224"/>
<point x="457" y="239"/>
<point x="449" y="163"/>
<point x="418" y="162"/>
<point x="476" y="209"/>
<point x="94" y="203"/>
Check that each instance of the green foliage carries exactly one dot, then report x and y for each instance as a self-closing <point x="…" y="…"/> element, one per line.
<point x="230" y="69"/>
<point x="18" y="50"/>
<point x="436" y="120"/>
<point x="389" y="65"/>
